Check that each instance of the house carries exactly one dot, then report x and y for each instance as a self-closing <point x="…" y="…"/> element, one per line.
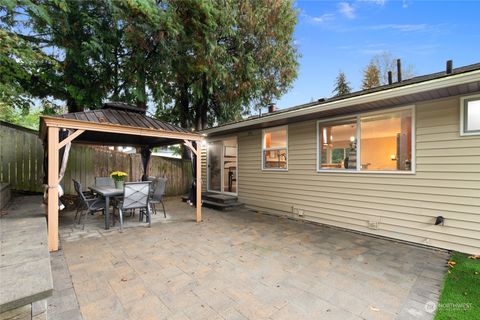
<point x="400" y="161"/>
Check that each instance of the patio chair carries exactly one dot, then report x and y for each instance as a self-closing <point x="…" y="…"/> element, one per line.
<point x="135" y="196"/>
<point x="88" y="205"/>
<point x="104" y="181"/>
<point x="152" y="179"/>
<point x="157" y="194"/>
<point x="78" y="189"/>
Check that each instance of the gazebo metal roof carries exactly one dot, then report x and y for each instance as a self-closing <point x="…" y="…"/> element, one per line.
<point x="122" y="114"/>
<point x="137" y="128"/>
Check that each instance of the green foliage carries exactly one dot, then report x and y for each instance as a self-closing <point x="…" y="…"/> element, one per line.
<point x="200" y="62"/>
<point x="229" y="57"/>
<point x="19" y="63"/>
<point x="26" y="117"/>
<point x="342" y="86"/>
<point x="67" y="37"/>
<point x="460" y="297"/>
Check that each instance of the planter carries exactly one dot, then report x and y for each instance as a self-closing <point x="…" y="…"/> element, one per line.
<point x="119" y="184"/>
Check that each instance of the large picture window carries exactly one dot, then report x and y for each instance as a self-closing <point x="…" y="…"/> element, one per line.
<point x="470" y="115"/>
<point x="381" y="142"/>
<point x="275" y="148"/>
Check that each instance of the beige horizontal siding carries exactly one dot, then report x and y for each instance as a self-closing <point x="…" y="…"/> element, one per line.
<point x="446" y="182"/>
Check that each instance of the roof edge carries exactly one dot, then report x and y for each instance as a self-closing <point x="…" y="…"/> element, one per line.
<point x="432" y="84"/>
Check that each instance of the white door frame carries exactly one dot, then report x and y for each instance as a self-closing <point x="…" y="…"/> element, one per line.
<point x="222" y="164"/>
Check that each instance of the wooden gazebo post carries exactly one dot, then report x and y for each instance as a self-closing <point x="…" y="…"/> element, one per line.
<point x="52" y="207"/>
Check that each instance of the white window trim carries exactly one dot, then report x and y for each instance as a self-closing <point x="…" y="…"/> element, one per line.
<point x="357" y="117"/>
<point x="273" y="149"/>
<point x="462" y="116"/>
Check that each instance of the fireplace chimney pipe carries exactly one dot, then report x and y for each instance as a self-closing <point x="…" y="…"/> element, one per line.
<point x="449" y="68"/>
<point x="272" y="108"/>
<point x="399" y="70"/>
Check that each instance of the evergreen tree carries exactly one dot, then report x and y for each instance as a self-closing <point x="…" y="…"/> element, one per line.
<point x="342" y="86"/>
<point x="71" y="38"/>
<point x="371" y="76"/>
<point x="199" y="62"/>
<point x="231" y="57"/>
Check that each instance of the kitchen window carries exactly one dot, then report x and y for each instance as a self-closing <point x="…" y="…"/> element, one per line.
<point x="375" y="142"/>
<point x="338" y="145"/>
<point x="275" y="148"/>
<point x="470" y="115"/>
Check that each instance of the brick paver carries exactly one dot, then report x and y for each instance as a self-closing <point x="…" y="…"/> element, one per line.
<point x="242" y="265"/>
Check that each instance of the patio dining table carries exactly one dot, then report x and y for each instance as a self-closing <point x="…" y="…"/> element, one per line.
<point x="107" y="192"/>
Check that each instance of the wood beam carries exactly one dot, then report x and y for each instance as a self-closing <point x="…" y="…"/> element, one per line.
<point x="53" y="188"/>
<point x="70" y="138"/>
<point x="119" y="129"/>
<point x="190" y="146"/>
<point x="199" y="182"/>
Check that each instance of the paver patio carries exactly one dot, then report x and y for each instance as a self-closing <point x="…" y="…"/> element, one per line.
<point x="240" y="265"/>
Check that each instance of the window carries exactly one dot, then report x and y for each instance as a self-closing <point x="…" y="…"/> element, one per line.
<point x="339" y="145"/>
<point x="275" y="148"/>
<point x="470" y="115"/>
<point x="386" y="141"/>
<point x="381" y="142"/>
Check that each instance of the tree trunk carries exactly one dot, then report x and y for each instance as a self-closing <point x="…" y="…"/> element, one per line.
<point x="205" y="99"/>
<point x="202" y="107"/>
<point x="141" y="89"/>
<point x="72" y="105"/>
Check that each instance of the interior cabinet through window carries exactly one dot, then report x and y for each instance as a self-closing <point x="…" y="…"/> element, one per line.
<point x="339" y="145"/>
<point x="275" y="148"/>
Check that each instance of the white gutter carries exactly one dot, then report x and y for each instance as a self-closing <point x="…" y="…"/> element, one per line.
<point x="370" y="97"/>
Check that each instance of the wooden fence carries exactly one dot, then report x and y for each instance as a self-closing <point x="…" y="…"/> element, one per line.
<point x="21" y="152"/>
<point x="22" y="164"/>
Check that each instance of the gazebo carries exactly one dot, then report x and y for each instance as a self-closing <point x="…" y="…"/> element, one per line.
<point x="116" y="124"/>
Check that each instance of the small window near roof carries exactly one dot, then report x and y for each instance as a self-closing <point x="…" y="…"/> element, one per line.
<point x="275" y="149"/>
<point x="470" y="115"/>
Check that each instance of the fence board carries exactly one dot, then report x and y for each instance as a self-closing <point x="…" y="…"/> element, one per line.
<point x="22" y="164"/>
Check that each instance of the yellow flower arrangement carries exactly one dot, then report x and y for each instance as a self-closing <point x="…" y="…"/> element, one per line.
<point x="118" y="175"/>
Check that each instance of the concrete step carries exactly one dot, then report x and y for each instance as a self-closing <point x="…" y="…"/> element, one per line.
<point x="215" y="197"/>
<point x="220" y="198"/>
<point x="221" y="206"/>
<point x="218" y="201"/>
